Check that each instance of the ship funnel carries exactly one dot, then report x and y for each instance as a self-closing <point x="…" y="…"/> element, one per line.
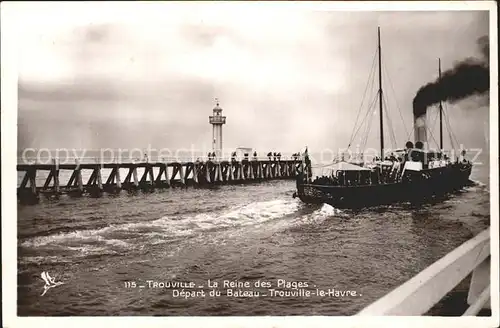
<point x="420" y="125"/>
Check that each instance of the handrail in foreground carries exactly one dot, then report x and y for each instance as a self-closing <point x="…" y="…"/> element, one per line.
<point x="419" y="294"/>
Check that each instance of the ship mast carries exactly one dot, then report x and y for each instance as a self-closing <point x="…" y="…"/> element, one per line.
<point x="380" y="97"/>
<point x="440" y="114"/>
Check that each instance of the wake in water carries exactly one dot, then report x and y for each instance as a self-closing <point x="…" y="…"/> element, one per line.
<point x="320" y="215"/>
<point x="476" y="186"/>
<point x="166" y="229"/>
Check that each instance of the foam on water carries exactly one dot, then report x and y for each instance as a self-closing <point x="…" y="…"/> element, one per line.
<point x="477" y="186"/>
<point x="479" y="183"/>
<point x="325" y="212"/>
<point x="255" y="213"/>
<point x="82" y="236"/>
<point x="43" y="259"/>
<point x="165" y="228"/>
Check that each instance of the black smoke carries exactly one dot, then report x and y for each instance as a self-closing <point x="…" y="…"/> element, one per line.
<point x="468" y="77"/>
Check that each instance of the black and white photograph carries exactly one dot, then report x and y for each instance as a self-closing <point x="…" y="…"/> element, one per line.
<point x="275" y="163"/>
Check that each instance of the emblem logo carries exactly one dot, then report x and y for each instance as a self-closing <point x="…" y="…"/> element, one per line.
<point x="50" y="282"/>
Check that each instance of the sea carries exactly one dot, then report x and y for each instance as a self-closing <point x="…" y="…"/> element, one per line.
<point x="232" y="250"/>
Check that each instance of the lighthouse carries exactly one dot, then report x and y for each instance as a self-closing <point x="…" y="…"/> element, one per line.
<point x="217" y="120"/>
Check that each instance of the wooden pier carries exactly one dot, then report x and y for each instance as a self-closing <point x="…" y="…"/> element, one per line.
<point x="168" y="174"/>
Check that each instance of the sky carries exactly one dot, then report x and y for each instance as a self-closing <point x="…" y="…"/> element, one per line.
<point x="91" y="78"/>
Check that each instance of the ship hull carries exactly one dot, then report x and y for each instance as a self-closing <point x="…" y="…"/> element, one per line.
<point x="414" y="187"/>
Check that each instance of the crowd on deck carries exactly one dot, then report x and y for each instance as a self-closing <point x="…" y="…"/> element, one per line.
<point x="377" y="175"/>
<point x="390" y="170"/>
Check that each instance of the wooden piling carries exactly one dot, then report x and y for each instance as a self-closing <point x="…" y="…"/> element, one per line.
<point x="117" y="177"/>
<point x="25" y="180"/>
<point x="98" y="177"/>
<point x="144" y="177"/>
<point x="181" y="175"/>
<point x="231" y="171"/>
<point x="250" y="168"/>
<point x="151" y="175"/>
<point x="167" y="178"/>
<point x="79" y="179"/>
<point x="56" y="175"/>
<point x="32" y="180"/>
<point x="134" y="174"/>
<point x="219" y="173"/>
<point x="224" y="171"/>
<point x="72" y="180"/>
<point x="48" y="180"/>
<point x="195" y="173"/>
<point x="237" y="172"/>
<point x="111" y="178"/>
<point x="214" y="173"/>
<point x="243" y="172"/>
<point x="91" y="179"/>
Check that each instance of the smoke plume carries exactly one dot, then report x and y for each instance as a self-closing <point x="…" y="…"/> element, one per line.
<point x="468" y="77"/>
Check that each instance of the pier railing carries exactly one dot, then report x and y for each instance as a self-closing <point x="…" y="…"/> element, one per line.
<point x="159" y="159"/>
<point x="419" y="294"/>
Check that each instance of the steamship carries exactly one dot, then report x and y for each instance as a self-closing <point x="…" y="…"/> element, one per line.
<point x="412" y="174"/>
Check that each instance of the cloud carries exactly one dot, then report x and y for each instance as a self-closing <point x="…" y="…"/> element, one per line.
<point x="285" y="78"/>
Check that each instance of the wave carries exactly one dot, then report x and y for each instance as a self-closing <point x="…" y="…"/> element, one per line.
<point x="479" y="183"/>
<point x="320" y="215"/>
<point x="253" y="213"/>
<point x="43" y="260"/>
<point x="82" y="236"/>
<point x="477" y="186"/>
<point x="328" y="210"/>
<point x="165" y="229"/>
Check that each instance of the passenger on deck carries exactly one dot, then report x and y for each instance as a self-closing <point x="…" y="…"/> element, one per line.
<point x="384" y="174"/>
<point x="374" y="176"/>
<point x="341" y="178"/>
<point x="395" y="171"/>
<point x="409" y="147"/>
<point x="462" y="156"/>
